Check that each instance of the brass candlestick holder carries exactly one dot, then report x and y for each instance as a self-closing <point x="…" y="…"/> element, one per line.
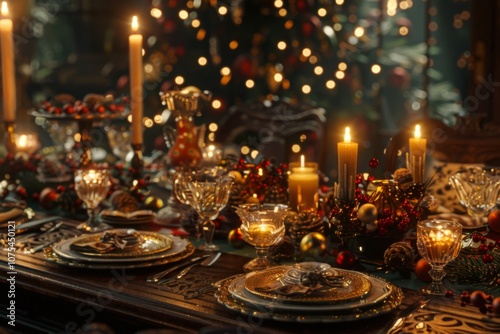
<point x="10" y="140"/>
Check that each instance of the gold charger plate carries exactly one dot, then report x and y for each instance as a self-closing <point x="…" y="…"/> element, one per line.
<point x="151" y="243"/>
<point x="358" y="287"/>
<point x="182" y="249"/>
<point x="392" y="301"/>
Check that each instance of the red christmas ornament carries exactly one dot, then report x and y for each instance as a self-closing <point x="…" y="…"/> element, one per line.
<point x="374" y="163"/>
<point x="399" y="78"/>
<point x="494" y="220"/>
<point x="422" y="268"/>
<point x="346" y="259"/>
<point x="48" y="198"/>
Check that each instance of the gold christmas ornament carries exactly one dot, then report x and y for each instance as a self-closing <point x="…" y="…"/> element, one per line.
<point x="367" y="213"/>
<point x="153" y="203"/>
<point x="314" y="245"/>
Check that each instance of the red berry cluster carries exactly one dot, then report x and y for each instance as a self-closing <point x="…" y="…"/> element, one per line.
<point x="80" y="107"/>
<point x="484" y="302"/>
<point x="261" y="177"/>
<point x="484" y="248"/>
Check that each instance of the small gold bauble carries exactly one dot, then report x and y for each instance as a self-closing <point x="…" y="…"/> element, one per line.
<point x="153" y="203"/>
<point x="314" y="245"/>
<point x="367" y="213"/>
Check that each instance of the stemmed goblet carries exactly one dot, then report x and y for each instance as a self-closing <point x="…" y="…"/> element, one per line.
<point x="262" y="225"/>
<point x="477" y="190"/>
<point x="92" y="185"/>
<point x="208" y="194"/>
<point x="439" y="242"/>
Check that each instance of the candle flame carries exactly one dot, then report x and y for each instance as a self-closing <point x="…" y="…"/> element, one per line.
<point x="5" y="8"/>
<point x="417" y="131"/>
<point x="302" y="161"/>
<point x="135" y="24"/>
<point x="347" y="135"/>
<point x="23" y="139"/>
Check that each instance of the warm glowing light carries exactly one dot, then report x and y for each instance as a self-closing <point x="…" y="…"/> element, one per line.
<point x="183" y="14"/>
<point x="202" y="61"/>
<point x="404" y="5"/>
<point x="249" y="83"/>
<point x="339" y="2"/>
<point x="282" y="12"/>
<point x="201" y="34"/>
<point x="278" y="77"/>
<point x="403" y="31"/>
<point x="302" y="161"/>
<point x="295" y="148"/>
<point x="288" y="24"/>
<point x="225" y="71"/>
<point x="254" y="155"/>
<point x="347" y="135"/>
<point x="337" y="27"/>
<point x="222" y="10"/>
<point x="306" y="89"/>
<point x="245" y="150"/>
<point x="216" y="104"/>
<point x="179" y="80"/>
<point x="213" y="127"/>
<point x="281" y="45"/>
<point x="135" y="22"/>
<point x="148" y="122"/>
<point x="342" y="66"/>
<point x="322" y="12"/>
<point x="339" y="75"/>
<point x="195" y="23"/>
<point x="330" y="84"/>
<point x="313" y="59"/>
<point x="278" y="3"/>
<point x="306" y="52"/>
<point x="156" y="13"/>
<point x="318" y="70"/>
<point x="158" y="119"/>
<point x="417" y="131"/>
<point x="233" y="45"/>
<point x="359" y="31"/>
<point x="376" y="69"/>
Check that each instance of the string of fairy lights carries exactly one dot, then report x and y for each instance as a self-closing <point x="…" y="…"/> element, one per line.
<point x="325" y="40"/>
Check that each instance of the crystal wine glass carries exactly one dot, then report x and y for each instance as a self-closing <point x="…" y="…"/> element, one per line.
<point x="92" y="185"/>
<point x="439" y="242"/>
<point x="477" y="190"/>
<point x="209" y="193"/>
<point x="262" y="225"/>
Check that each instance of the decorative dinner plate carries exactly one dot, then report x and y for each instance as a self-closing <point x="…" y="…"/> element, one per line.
<point x="393" y="300"/>
<point x="149" y="243"/>
<point x="115" y="217"/>
<point x="260" y="282"/>
<point x="187" y="250"/>
<point x="63" y="250"/>
<point x="379" y="292"/>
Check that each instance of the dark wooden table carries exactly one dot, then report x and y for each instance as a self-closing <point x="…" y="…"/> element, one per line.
<point x="56" y="299"/>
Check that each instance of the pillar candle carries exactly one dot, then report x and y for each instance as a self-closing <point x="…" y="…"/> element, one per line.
<point x="136" y="75"/>
<point x="416" y="163"/>
<point x="8" y="67"/>
<point x="303" y="184"/>
<point x="348" y="164"/>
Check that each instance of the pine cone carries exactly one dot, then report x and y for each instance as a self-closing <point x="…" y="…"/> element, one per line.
<point x="123" y="201"/>
<point x="276" y="195"/>
<point x="305" y="223"/>
<point x="399" y="257"/>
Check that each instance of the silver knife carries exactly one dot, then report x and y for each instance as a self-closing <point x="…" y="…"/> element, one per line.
<point x="405" y="314"/>
<point x="206" y="263"/>
<point x="35" y="223"/>
<point x="156" y="277"/>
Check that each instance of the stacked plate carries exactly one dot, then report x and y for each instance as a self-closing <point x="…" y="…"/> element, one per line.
<point x="119" y="218"/>
<point x="152" y="249"/>
<point x="270" y="294"/>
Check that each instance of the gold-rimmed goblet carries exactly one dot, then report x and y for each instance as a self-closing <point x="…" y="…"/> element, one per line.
<point x="439" y="242"/>
<point x="262" y="225"/>
<point x="92" y="185"/>
<point x="208" y="195"/>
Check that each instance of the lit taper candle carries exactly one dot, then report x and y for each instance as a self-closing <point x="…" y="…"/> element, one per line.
<point x="348" y="164"/>
<point x="416" y="163"/>
<point x="8" y="67"/>
<point x="136" y="81"/>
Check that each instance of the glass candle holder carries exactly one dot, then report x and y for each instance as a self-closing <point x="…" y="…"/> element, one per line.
<point x="439" y="242"/>
<point x="262" y="226"/>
